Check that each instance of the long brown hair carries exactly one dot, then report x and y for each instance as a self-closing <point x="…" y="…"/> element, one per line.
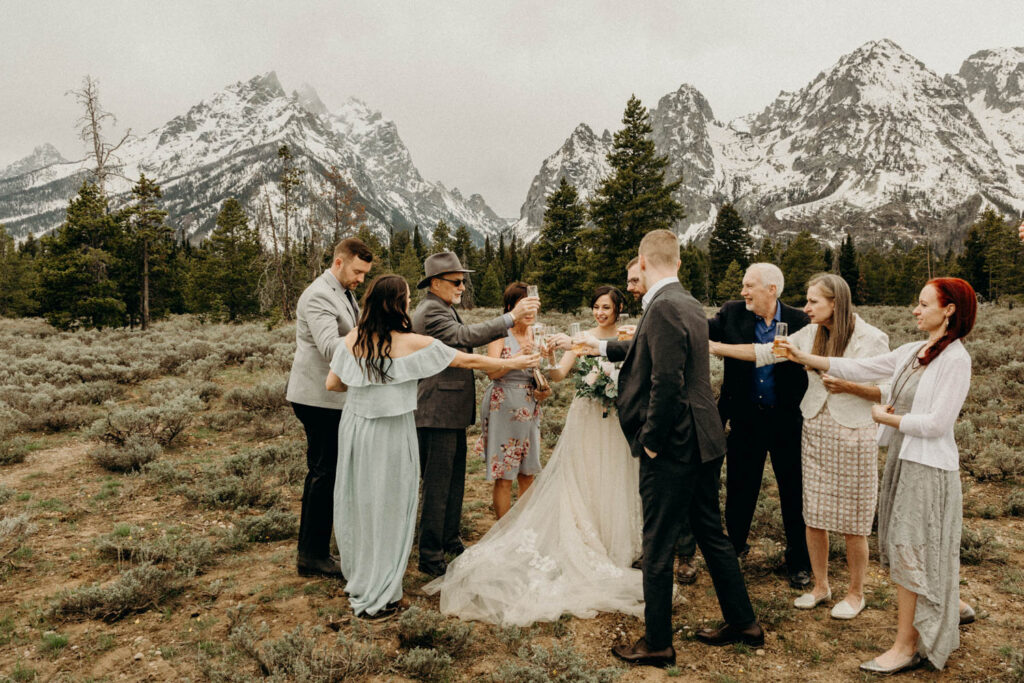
<point x="953" y="290"/>
<point x="385" y="310"/>
<point x="833" y="342"/>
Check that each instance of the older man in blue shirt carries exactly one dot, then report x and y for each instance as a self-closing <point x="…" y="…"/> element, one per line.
<point x="762" y="407"/>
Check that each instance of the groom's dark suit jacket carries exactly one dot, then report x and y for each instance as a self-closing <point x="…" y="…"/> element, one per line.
<point x="665" y="401"/>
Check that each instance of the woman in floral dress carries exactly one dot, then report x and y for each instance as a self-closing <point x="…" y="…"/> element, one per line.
<point x="510" y="413"/>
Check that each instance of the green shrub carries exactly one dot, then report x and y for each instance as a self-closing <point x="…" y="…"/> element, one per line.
<point x="161" y="423"/>
<point x="128" y="457"/>
<point x="562" y="663"/>
<point x="261" y="398"/>
<point x="5" y="494"/>
<point x="420" y="628"/>
<point x="13" y="530"/>
<point x="272" y="525"/>
<point x="977" y="547"/>
<point x="189" y="556"/>
<point x="14" y="450"/>
<point x="231" y="492"/>
<point x="425" y="665"/>
<point x="135" y="590"/>
<point x="1015" y="503"/>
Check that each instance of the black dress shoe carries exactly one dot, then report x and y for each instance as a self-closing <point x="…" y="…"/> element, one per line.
<point x="800" y="579"/>
<point x="686" y="572"/>
<point x="433" y="568"/>
<point x="455" y="549"/>
<point x="752" y="635"/>
<point x="319" y="566"/>
<point x="637" y="653"/>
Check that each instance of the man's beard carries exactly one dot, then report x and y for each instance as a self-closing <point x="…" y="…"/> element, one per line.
<point x="749" y="305"/>
<point x="456" y="298"/>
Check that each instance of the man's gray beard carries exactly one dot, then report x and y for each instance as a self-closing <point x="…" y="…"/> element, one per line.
<point x="457" y="299"/>
<point x="749" y="306"/>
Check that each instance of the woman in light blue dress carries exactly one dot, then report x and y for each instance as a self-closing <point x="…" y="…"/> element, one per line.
<point x="376" y="489"/>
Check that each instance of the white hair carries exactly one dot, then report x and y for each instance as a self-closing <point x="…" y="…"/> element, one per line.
<point x="770" y="274"/>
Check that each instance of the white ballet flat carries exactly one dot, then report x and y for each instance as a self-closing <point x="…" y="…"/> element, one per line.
<point x="808" y="601"/>
<point x="844" y="610"/>
<point x="873" y="666"/>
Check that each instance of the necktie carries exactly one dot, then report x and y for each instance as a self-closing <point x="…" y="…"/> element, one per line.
<point x="352" y="303"/>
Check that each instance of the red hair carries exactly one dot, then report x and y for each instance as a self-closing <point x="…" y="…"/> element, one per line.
<point x="953" y="290"/>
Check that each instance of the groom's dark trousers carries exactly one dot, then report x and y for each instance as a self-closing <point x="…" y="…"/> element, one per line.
<point x="665" y="404"/>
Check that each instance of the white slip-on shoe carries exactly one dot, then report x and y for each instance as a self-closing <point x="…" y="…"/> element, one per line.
<point x="873" y="667"/>
<point x="808" y="601"/>
<point x="844" y="610"/>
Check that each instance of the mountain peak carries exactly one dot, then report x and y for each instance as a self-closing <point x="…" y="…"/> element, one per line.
<point x="267" y="83"/>
<point x="999" y="74"/>
<point x="42" y="156"/>
<point x="309" y="99"/>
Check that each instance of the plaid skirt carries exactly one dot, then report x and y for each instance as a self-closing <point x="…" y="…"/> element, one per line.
<point x="840" y="475"/>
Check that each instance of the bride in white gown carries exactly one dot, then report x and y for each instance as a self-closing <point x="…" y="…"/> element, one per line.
<point x="567" y="546"/>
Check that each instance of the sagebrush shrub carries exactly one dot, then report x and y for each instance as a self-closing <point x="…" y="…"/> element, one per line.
<point x="977" y="547"/>
<point x="272" y="525"/>
<point x="161" y="423"/>
<point x="127" y="457"/>
<point x="425" y="664"/>
<point x="420" y="628"/>
<point x="263" y="397"/>
<point x="14" y="450"/>
<point x="135" y="590"/>
<point x="16" y="528"/>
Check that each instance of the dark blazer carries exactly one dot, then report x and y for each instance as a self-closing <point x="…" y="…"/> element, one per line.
<point x="665" y="401"/>
<point x="448" y="400"/>
<point x="734" y="324"/>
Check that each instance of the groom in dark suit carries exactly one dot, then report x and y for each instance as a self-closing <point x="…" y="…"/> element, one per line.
<point x="668" y="415"/>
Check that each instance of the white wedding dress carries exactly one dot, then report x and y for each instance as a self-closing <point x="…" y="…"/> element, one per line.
<point x="566" y="547"/>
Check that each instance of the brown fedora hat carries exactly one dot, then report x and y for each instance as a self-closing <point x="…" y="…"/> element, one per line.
<point x="439" y="264"/>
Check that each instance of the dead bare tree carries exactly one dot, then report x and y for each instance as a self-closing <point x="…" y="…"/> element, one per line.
<point x="91" y="129"/>
<point x="338" y="214"/>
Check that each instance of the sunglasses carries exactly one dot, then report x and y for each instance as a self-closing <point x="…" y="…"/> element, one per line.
<point x="458" y="283"/>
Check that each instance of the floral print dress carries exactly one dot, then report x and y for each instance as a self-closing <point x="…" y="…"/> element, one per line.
<point x="510" y="430"/>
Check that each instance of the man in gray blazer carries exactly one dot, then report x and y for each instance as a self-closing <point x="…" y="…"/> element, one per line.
<point x="446" y="405"/>
<point x="326" y="312"/>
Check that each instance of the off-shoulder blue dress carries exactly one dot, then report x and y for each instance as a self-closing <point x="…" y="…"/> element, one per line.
<point x="377" y="484"/>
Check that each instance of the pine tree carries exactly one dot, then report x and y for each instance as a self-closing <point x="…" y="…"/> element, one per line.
<point x="828" y="259"/>
<point x="730" y="242"/>
<point x="731" y="283"/>
<point x="492" y="287"/>
<point x="75" y="283"/>
<point x="800" y="261"/>
<point x="559" y="272"/>
<point x="399" y="241"/>
<point x="441" y="240"/>
<point x="694" y="273"/>
<point x="634" y="200"/>
<point x="411" y="268"/>
<point x="848" y="268"/>
<point x="228" y="264"/>
<point x="148" y="239"/>
<point x="768" y="252"/>
<point x="417" y="244"/>
<point x="1001" y="247"/>
<point x="17" y="278"/>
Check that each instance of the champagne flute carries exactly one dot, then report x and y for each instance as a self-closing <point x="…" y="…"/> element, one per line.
<point x="781" y="332"/>
<point x="625" y="328"/>
<point x="539" y="338"/>
<point x="531" y="290"/>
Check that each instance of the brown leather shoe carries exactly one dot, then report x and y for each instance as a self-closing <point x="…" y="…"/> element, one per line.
<point x="752" y="635"/>
<point x="686" y="571"/>
<point x="637" y="653"/>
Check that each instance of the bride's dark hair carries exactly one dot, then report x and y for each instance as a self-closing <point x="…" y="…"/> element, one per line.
<point x="385" y="310"/>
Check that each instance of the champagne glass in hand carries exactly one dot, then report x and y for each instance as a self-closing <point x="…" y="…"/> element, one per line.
<point x="781" y="332"/>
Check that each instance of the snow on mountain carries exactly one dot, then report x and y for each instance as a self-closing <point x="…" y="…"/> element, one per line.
<point x="581" y="160"/>
<point x="226" y="146"/>
<point x="42" y="156"/>
<point x="879" y="145"/>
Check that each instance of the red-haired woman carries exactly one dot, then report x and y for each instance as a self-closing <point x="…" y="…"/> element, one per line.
<point x="920" y="507"/>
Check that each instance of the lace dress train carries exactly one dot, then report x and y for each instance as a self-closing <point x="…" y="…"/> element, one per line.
<point x="567" y="545"/>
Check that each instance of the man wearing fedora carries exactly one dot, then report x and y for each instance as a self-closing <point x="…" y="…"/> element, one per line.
<point x="446" y="405"/>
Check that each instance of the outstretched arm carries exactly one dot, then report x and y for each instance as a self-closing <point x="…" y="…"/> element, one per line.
<point x="488" y="364"/>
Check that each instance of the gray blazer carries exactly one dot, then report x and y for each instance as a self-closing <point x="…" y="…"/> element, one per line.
<point x="323" y="317"/>
<point x="448" y="400"/>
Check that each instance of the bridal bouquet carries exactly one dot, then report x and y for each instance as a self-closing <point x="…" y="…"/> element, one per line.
<point x="597" y="379"/>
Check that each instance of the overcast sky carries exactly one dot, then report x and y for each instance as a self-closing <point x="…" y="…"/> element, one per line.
<point x="481" y="91"/>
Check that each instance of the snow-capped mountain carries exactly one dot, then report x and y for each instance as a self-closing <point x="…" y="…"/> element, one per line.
<point x="879" y="145"/>
<point x="226" y="146"/>
<point x="582" y="161"/>
<point x="42" y="156"/>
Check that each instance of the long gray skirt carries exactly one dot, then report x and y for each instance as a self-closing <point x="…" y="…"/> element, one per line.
<point x="920" y="517"/>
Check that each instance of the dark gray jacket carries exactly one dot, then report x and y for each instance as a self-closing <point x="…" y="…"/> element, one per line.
<point x="448" y="400"/>
<point x="665" y="401"/>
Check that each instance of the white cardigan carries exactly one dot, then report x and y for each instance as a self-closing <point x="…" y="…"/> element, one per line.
<point x="846" y="409"/>
<point x="928" y="427"/>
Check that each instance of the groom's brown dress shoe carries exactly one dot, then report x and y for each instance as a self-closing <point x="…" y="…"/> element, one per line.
<point x="637" y="653"/>
<point x="319" y="566"/>
<point x="752" y="635"/>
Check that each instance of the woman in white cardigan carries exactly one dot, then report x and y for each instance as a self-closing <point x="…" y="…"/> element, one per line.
<point x="920" y="512"/>
<point x="839" y="456"/>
